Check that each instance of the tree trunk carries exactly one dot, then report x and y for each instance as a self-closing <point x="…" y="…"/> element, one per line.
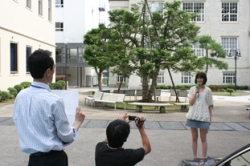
<point x="177" y="98"/>
<point x="120" y="84"/>
<point x="99" y="80"/>
<point x="145" y="88"/>
<point x="153" y="85"/>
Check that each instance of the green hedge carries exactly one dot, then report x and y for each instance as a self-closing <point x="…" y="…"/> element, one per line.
<point x="12" y="91"/>
<point x="4" y="95"/>
<point x="25" y="84"/>
<point x="212" y="87"/>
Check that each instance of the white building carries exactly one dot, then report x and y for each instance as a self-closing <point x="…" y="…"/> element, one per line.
<point x="25" y="26"/>
<point x="227" y="21"/>
<point x="73" y="20"/>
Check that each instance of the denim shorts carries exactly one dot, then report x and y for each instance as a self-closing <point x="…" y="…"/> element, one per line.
<point x="197" y="124"/>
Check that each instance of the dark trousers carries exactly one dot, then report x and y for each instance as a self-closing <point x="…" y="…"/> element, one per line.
<point x="52" y="158"/>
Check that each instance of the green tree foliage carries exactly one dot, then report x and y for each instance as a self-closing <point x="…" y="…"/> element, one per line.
<point x="230" y="91"/>
<point x="101" y="49"/>
<point x="157" y="40"/>
<point x="214" y="52"/>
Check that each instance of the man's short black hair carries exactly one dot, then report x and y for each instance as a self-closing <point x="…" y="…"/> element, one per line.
<point x="117" y="133"/>
<point x="39" y="61"/>
<point x="201" y="75"/>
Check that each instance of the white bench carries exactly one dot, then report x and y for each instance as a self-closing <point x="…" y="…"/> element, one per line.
<point x="180" y="93"/>
<point x="97" y="96"/>
<point x="183" y="106"/>
<point x="111" y="98"/>
<point x="140" y="104"/>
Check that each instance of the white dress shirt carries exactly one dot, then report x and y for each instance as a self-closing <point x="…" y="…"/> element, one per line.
<point x="41" y="121"/>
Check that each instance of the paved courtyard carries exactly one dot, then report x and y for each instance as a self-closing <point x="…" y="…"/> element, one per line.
<point x="170" y="139"/>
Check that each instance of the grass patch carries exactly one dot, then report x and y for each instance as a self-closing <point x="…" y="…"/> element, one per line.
<point x="7" y="101"/>
<point x="228" y="94"/>
<point x="88" y="93"/>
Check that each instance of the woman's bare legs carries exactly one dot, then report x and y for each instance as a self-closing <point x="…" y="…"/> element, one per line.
<point x="203" y="135"/>
<point x="194" y="132"/>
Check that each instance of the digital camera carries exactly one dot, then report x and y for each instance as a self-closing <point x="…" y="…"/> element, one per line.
<point x="135" y="118"/>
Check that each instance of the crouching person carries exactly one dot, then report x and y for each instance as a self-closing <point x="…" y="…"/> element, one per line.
<point x="110" y="151"/>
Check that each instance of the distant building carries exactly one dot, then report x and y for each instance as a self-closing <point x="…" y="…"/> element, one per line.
<point x="25" y="26"/>
<point x="227" y="21"/>
<point x="73" y="19"/>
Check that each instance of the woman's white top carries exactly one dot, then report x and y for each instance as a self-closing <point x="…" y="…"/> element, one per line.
<point x="200" y="109"/>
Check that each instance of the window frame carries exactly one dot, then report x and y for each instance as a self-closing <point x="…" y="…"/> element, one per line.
<point x="161" y="78"/>
<point x="199" y="52"/>
<point x="27" y="57"/>
<point x="40" y="7"/>
<point x="13" y="64"/>
<point x="184" y="76"/>
<point x="229" y="13"/>
<point x="230" y="44"/>
<point x="229" y="75"/>
<point x="49" y="10"/>
<point x="119" y="78"/>
<point x="61" y="28"/>
<point x="200" y="15"/>
<point x="28" y="4"/>
<point x="59" y="5"/>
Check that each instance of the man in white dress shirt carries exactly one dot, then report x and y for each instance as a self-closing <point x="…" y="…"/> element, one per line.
<point x="40" y="117"/>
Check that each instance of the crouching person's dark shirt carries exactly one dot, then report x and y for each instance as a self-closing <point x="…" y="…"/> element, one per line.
<point x="108" y="156"/>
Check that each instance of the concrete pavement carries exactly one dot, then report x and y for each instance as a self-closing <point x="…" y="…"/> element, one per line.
<point x="170" y="139"/>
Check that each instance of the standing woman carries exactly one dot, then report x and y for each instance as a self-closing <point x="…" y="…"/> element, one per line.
<point x="199" y="115"/>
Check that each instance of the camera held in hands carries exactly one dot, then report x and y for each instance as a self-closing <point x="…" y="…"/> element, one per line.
<point x="135" y="118"/>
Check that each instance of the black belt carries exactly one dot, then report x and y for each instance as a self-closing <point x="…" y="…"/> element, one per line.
<point x="44" y="153"/>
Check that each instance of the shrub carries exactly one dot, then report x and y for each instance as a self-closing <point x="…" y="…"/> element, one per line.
<point x="18" y="88"/>
<point x="52" y="86"/>
<point x="12" y="91"/>
<point x="223" y="90"/>
<point x="229" y="90"/>
<point x="57" y="85"/>
<point x="213" y="87"/>
<point x="25" y="84"/>
<point x="62" y="82"/>
<point x="5" y="95"/>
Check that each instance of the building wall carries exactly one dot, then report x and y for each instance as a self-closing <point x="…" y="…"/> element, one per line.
<point x="217" y="29"/>
<point x="25" y="27"/>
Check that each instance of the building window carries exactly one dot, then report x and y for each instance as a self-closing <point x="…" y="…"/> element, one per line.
<point x="229" y="11"/>
<point x="59" y="26"/>
<point x="119" y="78"/>
<point x="28" y="53"/>
<point x="49" y="10"/>
<point x="28" y="4"/>
<point x="160" y="78"/>
<point x="155" y="6"/>
<point x="197" y="50"/>
<point x="186" y="78"/>
<point x="40" y="7"/>
<point x="229" y="78"/>
<point x="195" y="7"/>
<point x="229" y="43"/>
<point x="13" y="58"/>
<point x="59" y="3"/>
